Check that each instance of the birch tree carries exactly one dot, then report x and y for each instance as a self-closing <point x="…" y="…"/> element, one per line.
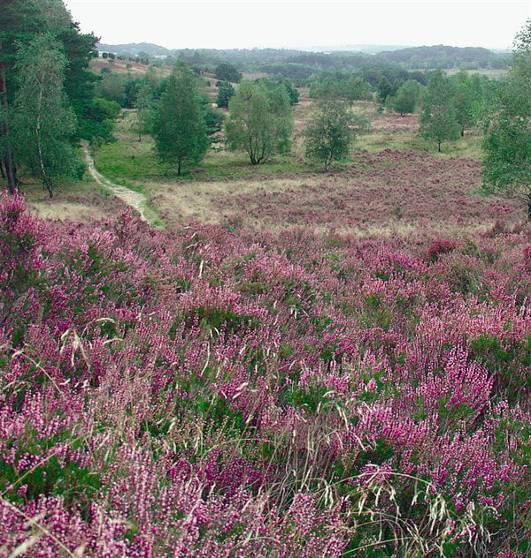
<point x="43" y="123"/>
<point x="507" y="142"/>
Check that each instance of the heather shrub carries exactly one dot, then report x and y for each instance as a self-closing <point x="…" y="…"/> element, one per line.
<point x="20" y="262"/>
<point x="463" y="277"/>
<point x="509" y="361"/>
<point x="201" y="392"/>
<point x="439" y="247"/>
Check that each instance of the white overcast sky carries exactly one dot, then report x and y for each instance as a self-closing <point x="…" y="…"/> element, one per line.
<point x="302" y="24"/>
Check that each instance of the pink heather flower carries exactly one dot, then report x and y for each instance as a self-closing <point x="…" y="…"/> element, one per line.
<point x="371" y="385"/>
<point x="189" y="381"/>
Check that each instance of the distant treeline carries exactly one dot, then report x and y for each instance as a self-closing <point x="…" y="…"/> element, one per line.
<point x="136" y="59"/>
<point x="300" y="65"/>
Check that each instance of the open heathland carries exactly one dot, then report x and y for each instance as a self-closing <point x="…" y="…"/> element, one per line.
<point x="202" y="357"/>
<point x="213" y="392"/>
<point x="389" y="190"/>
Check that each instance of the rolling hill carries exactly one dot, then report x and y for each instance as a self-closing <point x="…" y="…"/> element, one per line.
<point x="421" y="57"/>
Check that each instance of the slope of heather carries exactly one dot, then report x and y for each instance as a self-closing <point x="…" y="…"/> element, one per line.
<point x="207" y="393"/>
<point x="390" y="190"/>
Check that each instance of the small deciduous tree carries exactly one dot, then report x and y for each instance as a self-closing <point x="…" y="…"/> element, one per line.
<point x="145" y="109"/>
<point x="328" y="134"/>
<point x="405" y="100"/>
<point x="438" y="121"/>
<point x="100" y="117"/>
<point x="112" y="87"/>
<point x="213" y="118"/>
<point x="467" y="100"/>
<point x="43" y="122"/>
<point x="293" y="92"/>
<point x="261" y="121"/>
<point x="225" y="94"/>
<point x="179" y="127"/>
<point x="507" y="142"/>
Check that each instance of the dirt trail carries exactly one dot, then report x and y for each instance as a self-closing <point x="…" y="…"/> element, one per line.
<point x="136" y="200"/>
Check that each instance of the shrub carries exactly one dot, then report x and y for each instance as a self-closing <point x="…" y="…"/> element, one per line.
<point x="206" y="392"/>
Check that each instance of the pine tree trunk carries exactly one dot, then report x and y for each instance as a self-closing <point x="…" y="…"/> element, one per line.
<point x="439" y="146"/>
<point x="8" y="162"/>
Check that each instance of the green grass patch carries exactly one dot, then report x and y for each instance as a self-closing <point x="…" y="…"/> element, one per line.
<point x="138" y="161"/>
<point x="130" y="159"/>
<point x="467" y="147"/>
<point x="134" y="159"/>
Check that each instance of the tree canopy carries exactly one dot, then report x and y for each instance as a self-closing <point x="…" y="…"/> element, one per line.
<point x="21" y="23"/>
<point x="438" y="120"/>
<point x="225" y="93"/>
<point x="43" y="121"/>
<point x="407" y="97"/>
<point x="468" y="100"/>
<point x="507" y="143"/>
<point x="227" y="72"/>
<point x="179" y="127"/>
<point x="328" y="134"/>
<point x="261" y="121"/>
